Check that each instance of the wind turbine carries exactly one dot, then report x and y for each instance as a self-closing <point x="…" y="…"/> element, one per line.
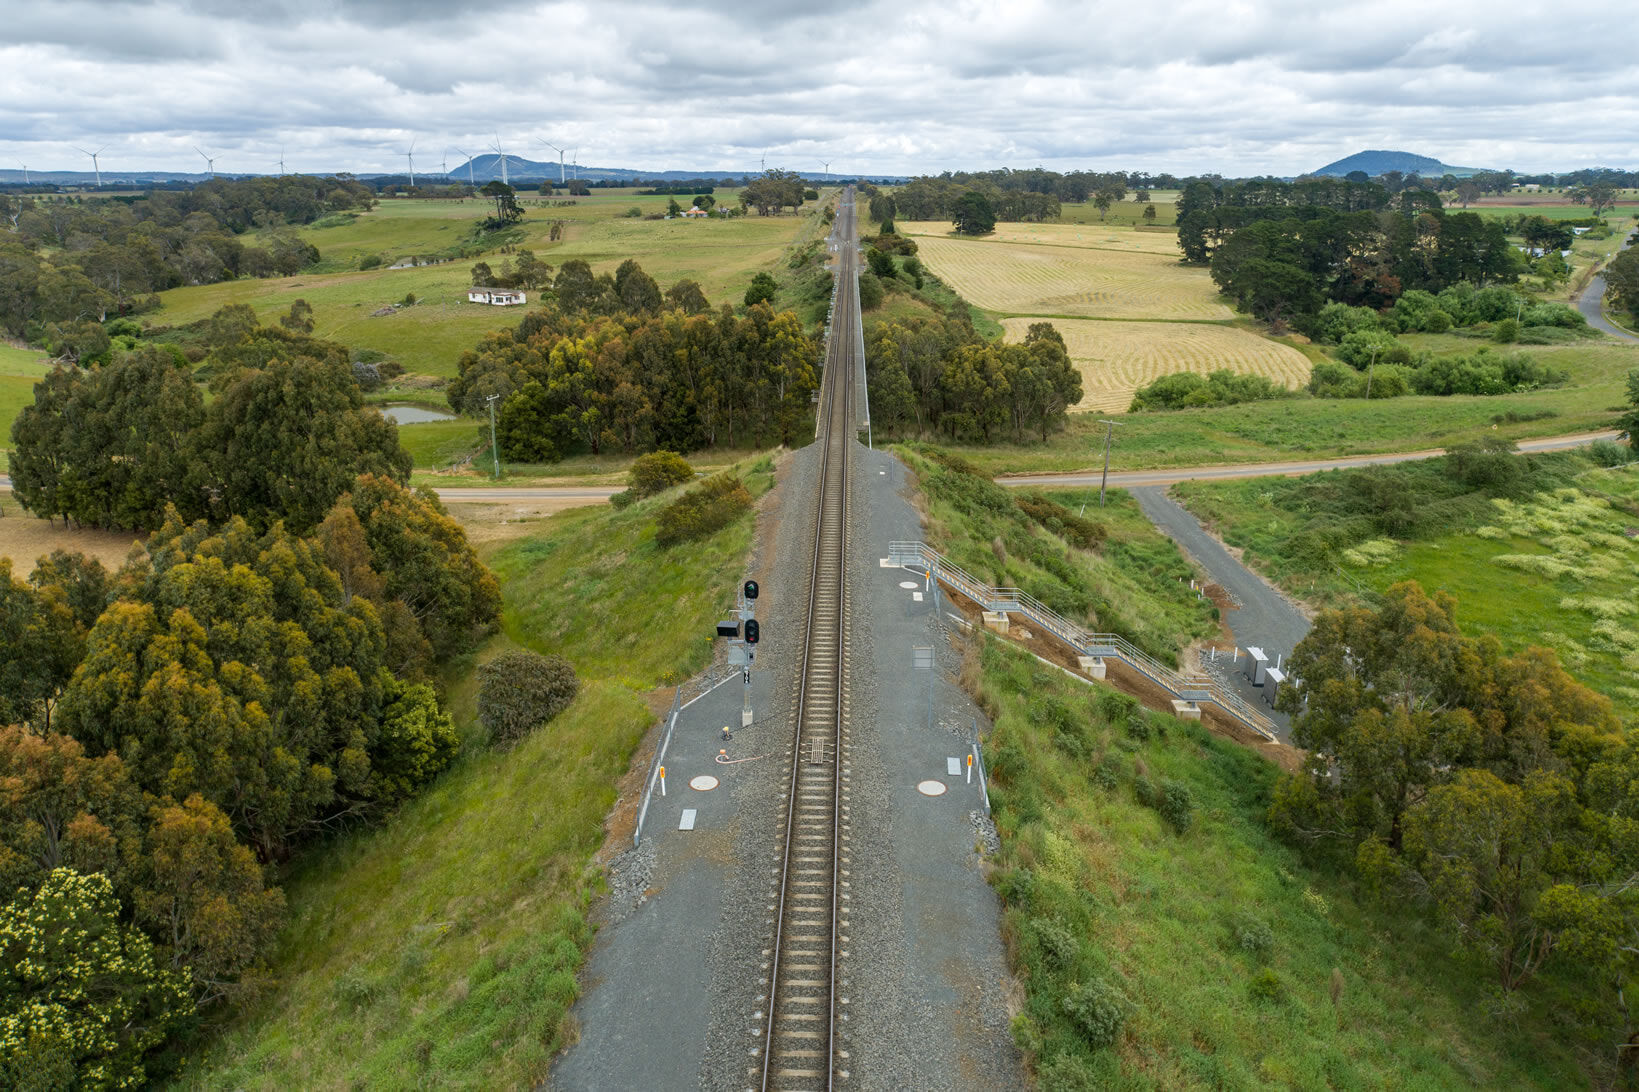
<point x="828" y="170"/>
<point x="95" y="166"/>
<point x="410" y="155"/>
<point x="505" y="181"/>
<point x="559" y="150"/>
<point x="470" y="182"/>
<point x="573" y="152"/>
<point x="281" y="160"/>
<point x="210" y="161"/>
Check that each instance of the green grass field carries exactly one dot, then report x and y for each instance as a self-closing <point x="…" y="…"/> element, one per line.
<point x="428" y="338"/>
<point x="1555" y="570"/>
<point x="1220" y="940"/>
<point x="439" y="949"/>
<point x="20" y="369"/>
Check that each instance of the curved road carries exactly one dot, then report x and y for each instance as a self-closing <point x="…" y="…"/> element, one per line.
<point x="1123" y="479"/>
<point x="1592" y="305"/>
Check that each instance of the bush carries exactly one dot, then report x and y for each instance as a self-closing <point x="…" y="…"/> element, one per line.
<point x="1097" y="1009"/>
<point x="418" y="739"/>
<point x="1176" y="805"/>
<point x="656" y="472"/>
<point x="1266" y="985"/>
<point x="762" y="289"/>
<point x="370" y="261"/>
<point x="1609" y="453"/>
<point x="704" y="510"/>
<point x="1058" y="945"/>
<point x="1253" y="935"/>
<point x="520" y="690"/>
<point x="870" y="292"/>
<point x="1507" y="332"/>
<point x="1183" y="390"/>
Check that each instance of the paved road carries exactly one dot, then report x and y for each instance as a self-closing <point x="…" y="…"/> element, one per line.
<point x="1124" y="479"/>
<point x="1130" y="479"/>
<point x="1266" y="619"/>
<point x="1591" y="304"/>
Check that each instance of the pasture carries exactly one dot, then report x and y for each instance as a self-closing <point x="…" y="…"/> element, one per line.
<point x="1116" y="358"/>
<point x="429" y="336"/>
<point x="20" y="369"/>
<point x="1073" y="276"/>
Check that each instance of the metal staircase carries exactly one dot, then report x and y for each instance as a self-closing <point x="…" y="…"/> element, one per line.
<point x="1201" y="689"/>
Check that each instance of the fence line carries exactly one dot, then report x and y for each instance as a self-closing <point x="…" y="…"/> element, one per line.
<point x="1195" y="688"/>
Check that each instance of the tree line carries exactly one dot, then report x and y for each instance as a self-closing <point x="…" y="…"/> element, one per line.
<point x="1284" y="250"/>
<point x="614" y="364"/>
<point x="177" y="727"/>
<point x="937" y="377"/>
<point x="67" y="263"/>
<point x="1492" y="789"/>
<point x="285" y="434"/>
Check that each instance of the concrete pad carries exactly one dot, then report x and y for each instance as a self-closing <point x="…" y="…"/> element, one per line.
<point x="1186" y="710"/>
<point x="1091" y="666"/>
<point x="996" y="620"/>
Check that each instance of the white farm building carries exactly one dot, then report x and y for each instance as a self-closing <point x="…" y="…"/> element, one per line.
<point x="500" y="297"/>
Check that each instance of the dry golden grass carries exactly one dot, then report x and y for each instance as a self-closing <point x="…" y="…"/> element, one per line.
<point x="1085" y="236"/>
<point x="25" y="540"/>
<point x="1063" y="279"/>
<point x="1116" y="358"/>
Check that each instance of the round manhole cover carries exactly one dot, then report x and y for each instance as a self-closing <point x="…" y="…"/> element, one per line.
<point x="704" y="783"/>
<point x="909" y="584"/>
<point x="931" y="788"/>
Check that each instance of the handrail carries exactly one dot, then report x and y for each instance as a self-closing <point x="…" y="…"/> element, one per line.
<point x="1196" y="688"/>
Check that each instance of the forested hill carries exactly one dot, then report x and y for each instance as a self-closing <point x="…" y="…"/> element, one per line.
<point x="1378" y="163"/>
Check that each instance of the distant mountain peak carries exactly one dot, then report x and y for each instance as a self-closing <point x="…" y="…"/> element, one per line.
<point x="1376" y="163"/>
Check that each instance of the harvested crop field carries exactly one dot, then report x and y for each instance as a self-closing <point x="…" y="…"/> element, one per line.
<point x="1074" y="279"/>
<point x="1116" y="358"/>
<point x="1084" y="236"/>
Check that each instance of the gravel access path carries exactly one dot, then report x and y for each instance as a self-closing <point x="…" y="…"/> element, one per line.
<point x="1264" y="618"/>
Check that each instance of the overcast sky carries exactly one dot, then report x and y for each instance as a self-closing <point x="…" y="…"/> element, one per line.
<point x="1278" y="87"/>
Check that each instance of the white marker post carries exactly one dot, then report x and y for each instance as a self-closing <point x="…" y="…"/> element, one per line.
<point x="970" y="767"/>
<point x="662" y="781"/>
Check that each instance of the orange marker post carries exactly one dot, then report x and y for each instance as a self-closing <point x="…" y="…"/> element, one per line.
<point x="970" y="767"/>
<point x="662" y="781"/>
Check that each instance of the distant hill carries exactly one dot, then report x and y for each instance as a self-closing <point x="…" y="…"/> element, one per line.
<point x="1376" y="163"/>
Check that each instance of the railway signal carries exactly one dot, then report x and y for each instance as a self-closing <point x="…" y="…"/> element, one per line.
<point x="752" y="631"/>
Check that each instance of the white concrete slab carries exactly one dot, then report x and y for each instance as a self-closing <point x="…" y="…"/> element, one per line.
<point x="687" y="822"/>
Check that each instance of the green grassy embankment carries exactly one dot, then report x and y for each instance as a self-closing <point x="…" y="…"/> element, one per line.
<point x="1217" y="942"/>
<point x="439" y="949"/>
<point x="1119" y="574"/>
<point x="1550" y="564"/>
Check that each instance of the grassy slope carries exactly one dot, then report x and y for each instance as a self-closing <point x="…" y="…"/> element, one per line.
<point x="1135" y="583"/>
<point x="439" y="949"/>
<point x="429" y="337"/>
<point x="1520" y="607"/>
<point x="1154" y="912"/>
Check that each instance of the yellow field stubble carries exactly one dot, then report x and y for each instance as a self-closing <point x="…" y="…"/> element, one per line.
<point x="1065" y="279"/>
<point x="1116" y="358"/>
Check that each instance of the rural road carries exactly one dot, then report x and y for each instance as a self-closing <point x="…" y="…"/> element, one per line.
<point x="1129" y="479"/>
<point x="1592" y="303"/>
<point x="1124" y="479"/>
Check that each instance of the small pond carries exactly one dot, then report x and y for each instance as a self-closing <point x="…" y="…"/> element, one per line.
<point x="414" y="413"/>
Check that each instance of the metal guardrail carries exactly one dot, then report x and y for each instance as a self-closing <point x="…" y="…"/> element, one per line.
<point x="1195" y="688"/>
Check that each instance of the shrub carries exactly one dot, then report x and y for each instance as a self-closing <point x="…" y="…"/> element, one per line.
<point x="1106" y="774"/>
<point x="370" y="261"/>
<point x="418" y="739"/>
<point x="1609" y="453"/>
<point x="520" y="690"/>
<point x="1266" y="985"/>
<point x="1057" y="943"/>
<point x="1097" y="1009"/>
<point x="657" y="471"/>
<point x="703" y="510"/>
<point x="1176" y="804"/>
<point x="1507" y="332"/>
<point x="1068" y="1072"/>
<point x="762" y="289"/>
<point x="1144" y="791"/>
<point x="870" y="292"/>
<point x="1253" y="935"/>
<point x="1138" y="728"/>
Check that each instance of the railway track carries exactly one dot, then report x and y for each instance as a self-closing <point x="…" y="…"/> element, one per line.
<point x="800" y="1046"/>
